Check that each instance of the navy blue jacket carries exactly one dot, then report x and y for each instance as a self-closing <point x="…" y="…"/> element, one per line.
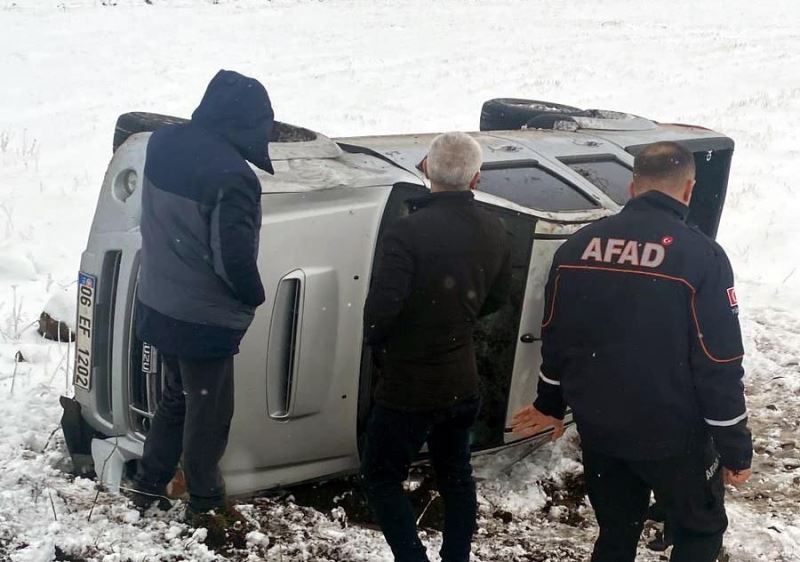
<point x="201" y="213"/>
<point x="641" y="337"/>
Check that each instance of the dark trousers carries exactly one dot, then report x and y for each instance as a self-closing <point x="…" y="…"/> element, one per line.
<point x="656" y="513"/>
<point x="193" y="419"/>
<point x="393" y="440"/>
<point x="689" y="489"/>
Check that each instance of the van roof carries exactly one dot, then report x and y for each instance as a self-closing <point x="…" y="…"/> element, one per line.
<point x="317" y="162"/>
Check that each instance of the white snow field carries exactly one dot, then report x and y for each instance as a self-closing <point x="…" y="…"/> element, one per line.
<point x="68" y="68"/>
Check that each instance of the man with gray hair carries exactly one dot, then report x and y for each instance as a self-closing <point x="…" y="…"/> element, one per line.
<point x="439" y="269"/>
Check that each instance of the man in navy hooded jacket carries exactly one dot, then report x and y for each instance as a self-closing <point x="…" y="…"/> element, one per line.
<point x="199" y="284"/>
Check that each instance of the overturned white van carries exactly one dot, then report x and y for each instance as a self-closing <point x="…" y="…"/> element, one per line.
<point x="304" y="377"/>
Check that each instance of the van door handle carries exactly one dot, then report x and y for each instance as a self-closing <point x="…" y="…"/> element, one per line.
<point x="528" y="338"/>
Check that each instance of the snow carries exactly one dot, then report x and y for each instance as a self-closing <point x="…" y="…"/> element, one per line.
<point x="346" y="67"/>
<point x="62" y="305"/>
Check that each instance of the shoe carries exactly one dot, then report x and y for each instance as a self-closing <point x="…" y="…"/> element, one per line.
<point x="225" y="526"/>
<point x="143" y="499"/>
<point x="661" y="543"/>
<point x="226" y="516"/>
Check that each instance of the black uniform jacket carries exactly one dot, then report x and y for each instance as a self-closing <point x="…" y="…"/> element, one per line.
<point x="438" y="270"/>
<point x="641" y="337"/>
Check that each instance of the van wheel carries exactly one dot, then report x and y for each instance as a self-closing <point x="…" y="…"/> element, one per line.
<point x="548" y="119"/>
<point x="508" y="114"/>
<point x="607" y="114"/>
<point x="140" y="122"/>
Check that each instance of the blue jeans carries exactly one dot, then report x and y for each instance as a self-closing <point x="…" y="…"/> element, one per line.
<point x="393" y="441"/>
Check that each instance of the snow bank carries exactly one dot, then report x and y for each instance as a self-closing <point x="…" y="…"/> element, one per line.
<point x="62" y="305"/>
<point x="347" y="67"/>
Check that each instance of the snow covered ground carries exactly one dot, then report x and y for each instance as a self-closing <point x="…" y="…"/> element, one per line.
<point x="345" y="68"/>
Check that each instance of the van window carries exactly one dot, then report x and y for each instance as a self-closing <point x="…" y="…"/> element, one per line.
<point x="533" y="187"/>
<point x="609" y="174"/>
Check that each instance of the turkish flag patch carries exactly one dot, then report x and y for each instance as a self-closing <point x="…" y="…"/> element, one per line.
<point x="667" y="241"/>
<point x="732" y="297"/>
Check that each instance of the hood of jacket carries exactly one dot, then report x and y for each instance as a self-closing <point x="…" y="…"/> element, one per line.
<point x="238" y="108"/>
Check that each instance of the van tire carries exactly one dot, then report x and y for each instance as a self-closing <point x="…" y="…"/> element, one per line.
<point x="509" y="114"/>
<point x="140" y="122"/>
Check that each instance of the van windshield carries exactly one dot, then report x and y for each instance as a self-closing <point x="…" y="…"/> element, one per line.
<point x="533" y="187"/>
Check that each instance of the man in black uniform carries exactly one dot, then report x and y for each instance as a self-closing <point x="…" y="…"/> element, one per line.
<point x="641" y="340"/>
<point x="439" y="269"/>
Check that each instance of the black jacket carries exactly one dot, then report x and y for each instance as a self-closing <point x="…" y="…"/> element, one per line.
<point x="641" y="337"/>
<point x="439" y="269"/>
<point x="201" y="213"/>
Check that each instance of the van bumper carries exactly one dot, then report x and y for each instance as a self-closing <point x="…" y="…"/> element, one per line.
<point x="78" y="435"/>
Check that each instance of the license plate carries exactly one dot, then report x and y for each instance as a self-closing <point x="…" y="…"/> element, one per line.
<point x="149" y="359"/>
<point x="87" y="285"/>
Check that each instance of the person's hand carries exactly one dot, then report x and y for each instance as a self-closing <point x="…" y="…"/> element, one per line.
<point x="529" y="421"/>
<point x="736" y="477"/>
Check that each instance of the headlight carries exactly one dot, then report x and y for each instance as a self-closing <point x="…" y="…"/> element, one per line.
<point x="125" y="184"/>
